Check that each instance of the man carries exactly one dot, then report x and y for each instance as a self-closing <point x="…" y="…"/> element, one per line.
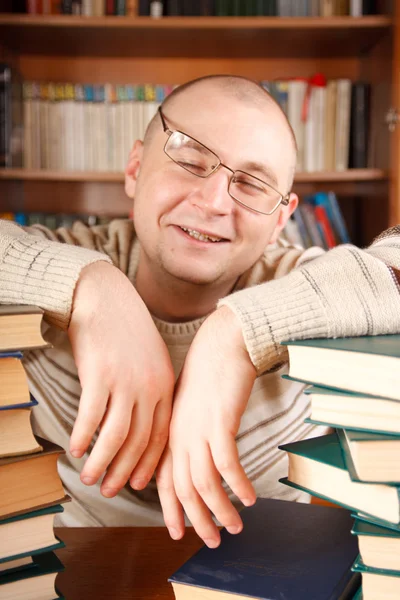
<point x="211" y="193"/>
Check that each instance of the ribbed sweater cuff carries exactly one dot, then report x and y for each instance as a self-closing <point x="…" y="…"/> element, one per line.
<point x="43" y="274"/>
<point x="274" y="312"/>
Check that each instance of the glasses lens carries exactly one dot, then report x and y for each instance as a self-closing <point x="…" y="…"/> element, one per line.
<point x="189" y="154"/>
<point x="253" y="193"/>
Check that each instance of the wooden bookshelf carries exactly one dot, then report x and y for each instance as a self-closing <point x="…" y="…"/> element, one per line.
<point x="174" y="49"/>
<point x="193" y="36"/>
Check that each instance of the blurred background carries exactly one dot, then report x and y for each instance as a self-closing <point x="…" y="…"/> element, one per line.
<point x="80" y="80"/>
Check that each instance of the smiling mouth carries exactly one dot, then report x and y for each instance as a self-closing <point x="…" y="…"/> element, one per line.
<point x="202" y="237"/>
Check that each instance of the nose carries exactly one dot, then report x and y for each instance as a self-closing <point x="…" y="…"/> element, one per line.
<point x="212" y="195"/>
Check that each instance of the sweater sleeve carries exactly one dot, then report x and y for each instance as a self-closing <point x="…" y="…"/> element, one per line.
<point x="36" y="270"/>
<point x="345" y="292"/>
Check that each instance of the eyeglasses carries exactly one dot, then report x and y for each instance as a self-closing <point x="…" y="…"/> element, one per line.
<point x="245" y="189"/>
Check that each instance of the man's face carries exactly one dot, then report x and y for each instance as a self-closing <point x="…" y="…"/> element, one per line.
<point x="174" y="210"/>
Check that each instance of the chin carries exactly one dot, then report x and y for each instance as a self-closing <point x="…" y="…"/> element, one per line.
<point x="194" y="275"/>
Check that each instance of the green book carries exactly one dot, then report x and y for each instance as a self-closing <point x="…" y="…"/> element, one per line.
<point x="359" y="516"/>
<point x="379" y="546"/>
<point x="316" y="465"/>
<point x="222" y="8"/>
<point x="26" y="535"/>
<point x="38" y="581"/>
<point x="354" y="411"/>
<point x="371" y="457"/>
<point x="367" y="364"/>
<point x="373" y="529"/>
<point x="378" y="583"/>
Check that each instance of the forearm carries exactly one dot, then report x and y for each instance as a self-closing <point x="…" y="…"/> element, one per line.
<point x="41" y="272"/>
<point x="346" y="292"/>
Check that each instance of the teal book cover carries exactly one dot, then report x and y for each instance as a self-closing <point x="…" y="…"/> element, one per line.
<point x="326" y="450"/>
<point x="287" y="550"/>
<point x="351" y="443"/>
<point x="384" y="345"/>
<point x="43" y="565"/>
<point x="360" y="567"/>
<point x="341" y="426"/>
<point x="365" y="364"/>
<point x="373" y="529"/>
<point x="359" y="516"/>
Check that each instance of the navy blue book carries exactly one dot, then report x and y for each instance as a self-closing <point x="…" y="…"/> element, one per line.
<point x="287" y="550"/>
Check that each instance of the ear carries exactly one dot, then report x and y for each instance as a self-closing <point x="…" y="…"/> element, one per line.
<point x="133" y="167"/>
<point x="284" y="216"/>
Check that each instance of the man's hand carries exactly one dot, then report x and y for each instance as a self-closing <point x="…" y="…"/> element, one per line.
<point x="210" y="399"/>
<point x="126" y="377"/>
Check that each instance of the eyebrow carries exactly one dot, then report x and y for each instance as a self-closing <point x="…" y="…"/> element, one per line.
<point x="263" y="170"/>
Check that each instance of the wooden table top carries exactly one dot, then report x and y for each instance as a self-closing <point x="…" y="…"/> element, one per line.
<point x="121" y="563"/>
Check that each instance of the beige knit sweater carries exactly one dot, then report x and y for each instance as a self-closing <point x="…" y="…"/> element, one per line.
<point x="347" y="291"/>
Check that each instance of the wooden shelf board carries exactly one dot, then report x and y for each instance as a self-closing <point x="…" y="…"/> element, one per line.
<point x="104" y="177"/>
<point x="193" y="36"/>
<point x="71" y="21"/>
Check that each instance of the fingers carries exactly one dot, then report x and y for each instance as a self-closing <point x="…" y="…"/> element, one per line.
<point x="171" y="507"/>
<point x="199" y="489"/>
<point x="144" y="470"/>
<point x="92" y="406"/>
<point x="145" y="442"/>
<point x="113" y="433"/>
<point x="129" y="453"/>
<point x="226" y="459"/>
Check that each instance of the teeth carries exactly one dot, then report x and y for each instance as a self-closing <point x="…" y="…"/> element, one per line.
<point x="201" y="236"/>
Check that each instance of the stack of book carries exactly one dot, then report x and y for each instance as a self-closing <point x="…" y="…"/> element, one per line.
<point x="355" y="390"/>
<point x="318" y="221"/>
<point x="31" y="489"/>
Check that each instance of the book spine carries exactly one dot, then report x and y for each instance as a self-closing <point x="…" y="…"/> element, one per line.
<point x="325" y="226"/>
<point x="66" y="7"/>
<point x="5" y="115"/>
<point x="77" y="7"/>
<point x="144" y="8"/>
<point x="132" y="8"/>
<point x="28" y="126"/>
<point x="359" y="125"/>
<point x="337" y="219"/>
<point x="120" y="8"/>
<point x="156" y="9"/>
<point x="342" y="132"/>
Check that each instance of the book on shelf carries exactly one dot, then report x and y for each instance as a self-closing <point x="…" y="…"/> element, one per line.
<point x="72" y="123"/>
<point x="281" y="8"/>
<point x="11" y="117"/>
<point x="30" y="481"/>
<point x="317" y="466"/>
<point x="36" y="582"/>
<point x="359" y="132"/>
<point x="378" y="583"/>
<point x="371" y="457"/>
<point x="379" y="546"/>
<point x="360" y="412"/>
<point x="286" y="550"/>
<point x="26" y="535"/>
<point x="317" y="221"/>
<point x="20" y="327"/>
<point x="366" y="364"/>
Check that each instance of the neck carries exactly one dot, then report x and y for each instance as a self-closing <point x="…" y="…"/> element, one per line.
<point x="172" y="300"/>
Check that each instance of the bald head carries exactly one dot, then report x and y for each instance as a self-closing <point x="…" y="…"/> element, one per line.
<point x="231" y="88"/>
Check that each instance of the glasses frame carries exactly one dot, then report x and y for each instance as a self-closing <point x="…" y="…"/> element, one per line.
<point x="284" y="198"/>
